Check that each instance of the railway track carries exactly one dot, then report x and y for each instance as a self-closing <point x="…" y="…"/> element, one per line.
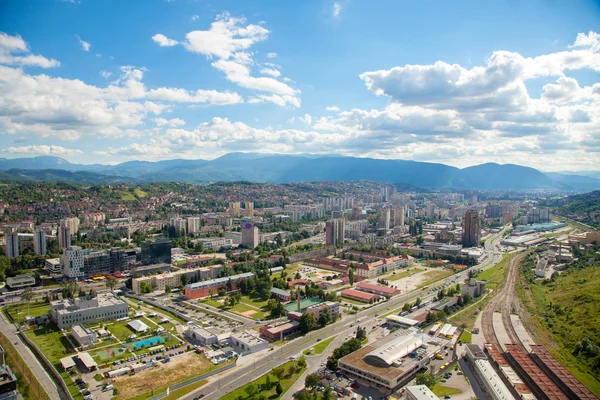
<point x="502" y="302"/>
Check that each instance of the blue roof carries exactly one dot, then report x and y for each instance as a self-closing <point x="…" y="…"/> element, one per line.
<point x="218" y="281"/>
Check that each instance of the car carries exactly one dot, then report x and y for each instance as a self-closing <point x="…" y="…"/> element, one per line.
<point x="447" y="396"/>
<point x="318" y="339"/>
<point x="444" y="381"/>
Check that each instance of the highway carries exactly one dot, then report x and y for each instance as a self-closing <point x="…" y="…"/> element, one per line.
<point x="238" y="377"/>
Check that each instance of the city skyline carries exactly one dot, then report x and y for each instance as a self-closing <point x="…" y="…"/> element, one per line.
<point x="452" y="84"/>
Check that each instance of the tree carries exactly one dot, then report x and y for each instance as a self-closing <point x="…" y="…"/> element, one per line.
<point x="325" y="317"/>
<point x="312" y="380"/>
<point x="418" y="301"/>
<point x="291" y="369"/>
<point x="426" y="379"/>
<point x="278" y="372"/>
<point x="297" y="276"/>
<point x="307" y="322"/>
<point x="251" y="390"/>
<point x="167" y="289"/>
<point x="268" y="382"/>
<point x="302" y="362"/>
<point x="185" y="279"/>
<point x="278" y="389"/>
<point x="419" y="240"/>
<point x="222" y="291"/>
<point x="91" y="292"/>
<point x="327" y="393"/>
<point x="278" y="311"/>
<point x="271" y="303"/>
<point x="111" y="282"/>
<point x="351" y="276"/>
<point x="361" y="333"/>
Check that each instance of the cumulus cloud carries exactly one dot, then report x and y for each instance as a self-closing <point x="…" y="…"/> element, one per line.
<point x="85" y="46"/>
<point x="164" y="41"/>
<point x="270" y="71"/>
<point x="332" y="108"/>
<point x="307" y="119"/>
<point x="228" y="42"/>
<point x="272" y="55"/>
<point x="43" y="150"/>
<point x="170" y="122"/>
<point x="105" y="74"/>
<point x="15" y="51"/>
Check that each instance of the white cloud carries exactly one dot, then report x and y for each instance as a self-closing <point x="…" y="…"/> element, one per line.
<point x="105" y="74"/>
<point x="170" y="122"/>
<point x="199" y="96"/>
<point x="270" y="71"/>
<point x="43" y="150"/>
<point x="84" y="45"/>
<point x="195" y="17"/>
<point x="164" y="41"/>
<point x="307" y="119"/>
<point x="228" y="42"/>
<point x="332" y="108"/>
<point x="272" y="55"/>
<point x="14" y="51"/>
<point x="590" y="41"/>
<point x="337" y="9"/>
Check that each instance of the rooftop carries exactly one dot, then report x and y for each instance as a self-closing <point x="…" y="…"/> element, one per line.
<point x="249" y="338"/>
<point x="357" y="293"/>
<point x="304" y="304"/>
<point x="402" y="320"/>
<point x="378" y="288"/>
<point x="282" y="327"/>
<point x="280" y="292"/>
<point x="100" y="300"/>
<point x="421" y="392"/>
<point x="218" y="281"/>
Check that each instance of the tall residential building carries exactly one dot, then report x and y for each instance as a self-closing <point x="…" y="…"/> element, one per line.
<point x="64" y="237"/>
<point x="71" y="223"/>
<point x="334" y="232"/>
<point x="250" y="236"/>
<point x="430" y="211"/>
<point x="39" y="241"/>
<point x="234" y="209"/>
<point x="178" y="224"/>
<point x="539" y="215"/>
<point x="249" y="207"/>
<point x="12" y="245"/>
<point x="193" y="225"/>
<point x="493" y="211"/>
<point x="357" y="213"/>
<point x="471" y="229"/>
<point x="399" y="216"/>
<point x="383" y="219"/>
<point x="73" y="262"/>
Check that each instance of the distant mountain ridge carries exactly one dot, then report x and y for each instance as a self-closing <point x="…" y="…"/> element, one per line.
<point x="277" y="168"/>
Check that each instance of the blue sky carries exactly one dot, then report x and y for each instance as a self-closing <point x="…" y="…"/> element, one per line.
<point x="460" y="83"/>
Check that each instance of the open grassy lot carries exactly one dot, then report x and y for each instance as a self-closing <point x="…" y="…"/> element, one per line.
<point x="247" y="307"/>
<point x="261" y="384"/>
<point x="155" y="380"/>
<point x="20" y="311"/>
<point x="564" y="313"/>
<point x="435" y="275"/>
<point x="403" y="274"/>
<point x="319" y="347"/>
<point x="441" y="391"/>
<point x="176" y="394"/>
<point x="466" y="336"/>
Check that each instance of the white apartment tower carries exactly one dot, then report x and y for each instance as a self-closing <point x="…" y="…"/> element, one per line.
<point x="73" y="262"/>
<point x="39" y="241"/>
<point x="193" y="225"/>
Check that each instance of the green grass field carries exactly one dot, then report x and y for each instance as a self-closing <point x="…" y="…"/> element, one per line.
<point x="286" y="382"/>
<point x="435" y="275"/>
<point x="19" y="312"/>
<point x="249" y="305"/>
<point x="466" y="336"/>
<point x="319" y="347"/>
<point x="566" y="312"/>
<point x="403" y="274"/>
<point x="441" y="391"/>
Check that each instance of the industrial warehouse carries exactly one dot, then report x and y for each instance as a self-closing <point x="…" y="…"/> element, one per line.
<point x="391" y="362"/>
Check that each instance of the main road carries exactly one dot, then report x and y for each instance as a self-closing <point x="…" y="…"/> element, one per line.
<point x="235" y="378"/>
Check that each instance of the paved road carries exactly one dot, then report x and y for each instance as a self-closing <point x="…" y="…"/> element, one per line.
<point x="53" y="390"/>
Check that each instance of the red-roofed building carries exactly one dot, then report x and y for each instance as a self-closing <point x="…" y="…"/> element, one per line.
<point x="295" y="282"/>
<point x="377" y="289"/>
<point x="359" y="296"/>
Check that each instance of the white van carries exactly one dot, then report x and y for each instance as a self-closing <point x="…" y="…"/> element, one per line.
<point x="107" y="388"/>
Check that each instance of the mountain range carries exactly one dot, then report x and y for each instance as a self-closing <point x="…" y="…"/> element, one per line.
<point x="277" y="168"/>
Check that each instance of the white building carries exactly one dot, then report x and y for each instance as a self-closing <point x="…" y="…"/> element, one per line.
<point x="39" y="241"/>
<point x="247" y="342"/>
<point x="73" y="262"/>
<point x="195" y="334"/>
<point x="84" y="336"/>
<point x="20" y="281"/>
<point x="193" y="225"/>
<point x="12" y="245"/>
<point x="473" y="288"/>
<point x="102" y="307"/>
<point x="250" y="235"/>
<point x="318" y="309"/>
<point x="53" y="265"/>
<point x="235" y="237"/>
<point x="420" y="392"/>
